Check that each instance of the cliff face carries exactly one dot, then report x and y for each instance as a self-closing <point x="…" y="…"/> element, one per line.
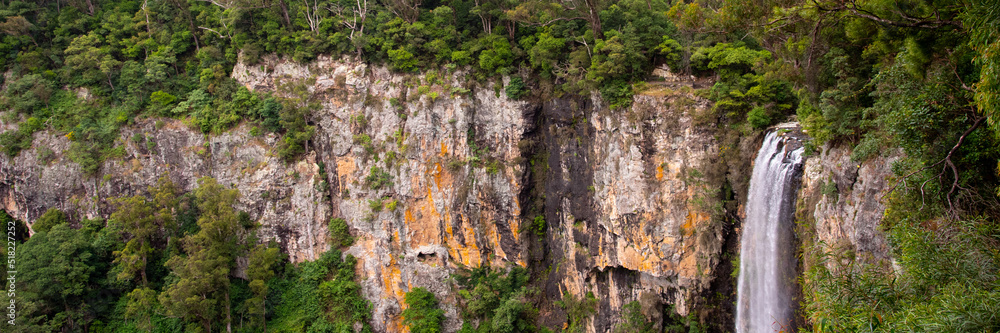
<point x="619" y="190"/>
<point x="281" y="196"/>
<point x="628" y="201"/>
<point x="842" y="200"/>
<point x="433" y="172"/>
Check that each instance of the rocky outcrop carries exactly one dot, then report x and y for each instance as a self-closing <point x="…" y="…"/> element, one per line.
<point x="842" y="200"/>
<point x="630" y="201"/>
<point x="283" y="197"/>
<point x="434" y="172"/>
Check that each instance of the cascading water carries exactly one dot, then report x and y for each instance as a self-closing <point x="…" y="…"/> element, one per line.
<point x="767" y="261"/>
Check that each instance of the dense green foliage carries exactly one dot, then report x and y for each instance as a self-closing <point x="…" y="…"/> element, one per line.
<point x="578" y="310"/>
<point x="49" y="219"/>
<point x="86" y="68"/>
<point x="422" y="314"/>
<point x="167" y="262"/>
<point x="633" y="321"/>
<point x="496" y="300"/>
<point x="918" y="78"/>
<point x="339" y="234"/>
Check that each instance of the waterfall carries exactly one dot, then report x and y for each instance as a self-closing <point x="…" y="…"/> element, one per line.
<point x="766" y="285"/>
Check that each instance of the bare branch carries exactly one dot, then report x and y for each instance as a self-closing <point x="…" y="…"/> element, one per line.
<point x="213" y="30"/>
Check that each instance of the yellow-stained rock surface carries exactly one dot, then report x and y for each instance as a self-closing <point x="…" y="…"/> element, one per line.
<point x="627" y="195"/>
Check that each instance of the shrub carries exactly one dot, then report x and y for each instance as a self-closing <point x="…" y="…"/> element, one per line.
<point x="758" y="118"/>
<point x="539" y="225"/>
<point x="461" y="57"/>
<point x="45" y="155"/>
<point x="340" y="236"/>
<point x="378" y="178"/>
<point x="618" y="93"/>
<point x="633" y="321"/>
<point x="49" y="219"/>
<point x="498" y="300"/>
<point x="515" y="89"/>
<point x="422" y="314"/>
<point x="160" y="101"/>
<point x="402" y="60"/>
<point x="375" y="205"/>
<point x="577" y="310"/>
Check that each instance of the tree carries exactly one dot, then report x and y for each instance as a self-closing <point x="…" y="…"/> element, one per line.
<point x="546" y="52"/>
<point x="18" y="26"/>
<point x="56" y="279"/>
<point x="90" y="62"/>
<point x="578" y="310"/>
<point x="141" y="305"/>
<point x="408" y="10"/>
<point x="340" y="235"/>
<point x="49" y="219"/>
<point x="633" y="321"/>
<point x="203" y="275"/>
<point x="356" y="22"/>
<point x="260" y="270"/>
<point x="142" y="222"/>
<point x="544" y="13"/>
<point x="983" y="23"/>
<point x="422" y="314"/>
<point x="28" y="93"/>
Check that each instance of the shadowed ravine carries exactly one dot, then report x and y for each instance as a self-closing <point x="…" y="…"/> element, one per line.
<point x="767" y="262"/>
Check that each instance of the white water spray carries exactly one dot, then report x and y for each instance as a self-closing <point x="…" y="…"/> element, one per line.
<point x="767" y="260"/>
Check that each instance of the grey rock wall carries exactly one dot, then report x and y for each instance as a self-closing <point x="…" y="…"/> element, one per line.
<point x="631" y="197"/>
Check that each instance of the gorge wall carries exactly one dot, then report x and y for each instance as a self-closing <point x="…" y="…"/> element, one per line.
<point x="630" y="198"/>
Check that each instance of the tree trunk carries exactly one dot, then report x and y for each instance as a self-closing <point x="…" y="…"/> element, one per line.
<point x="593" y="14"/>
<point x="284" y="12"/>
<point x="263" y="308"/>
<point x="229" y="314"/>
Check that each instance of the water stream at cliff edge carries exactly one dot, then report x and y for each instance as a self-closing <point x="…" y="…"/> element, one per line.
<point x="766" y="281"/>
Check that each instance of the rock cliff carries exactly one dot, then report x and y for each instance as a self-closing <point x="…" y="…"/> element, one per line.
<point x="434" y="172"/>
<point x="842" y="200"/>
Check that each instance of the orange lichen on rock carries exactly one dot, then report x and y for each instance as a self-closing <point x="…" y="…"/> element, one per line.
<point x="634" y="260"/>
<point x="437" y="174"/>
<point x="345" y="169"/>
<point x="392" y="280"/>
<point x="688" y="266"/>
<point x="688" y="226"/>
<point x="424" y="229"/>
<point x="467" y="252"/>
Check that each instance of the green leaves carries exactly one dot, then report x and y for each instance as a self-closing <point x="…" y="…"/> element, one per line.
<point x="340" y="235"/>
<point x="633" y="320"/>
<point x="745" y="88"/>
<point x="57" y="279"/>
<point x="50" y="219"/>
<point x="402" y="60"/>
<point x="497" y="299"/>
<point x="297" y="131"/>
<point x="578" y="310"/>
<point x="89" y="63"/>
<point x="422" y="314"/>
<point x="496" y="55"/>
<point x="983" y="22"/>
<point x="515" y="89"/>
<point x="201" y="290"/>
<point x="320" y="295"/>
<point x="546" y="52"/>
